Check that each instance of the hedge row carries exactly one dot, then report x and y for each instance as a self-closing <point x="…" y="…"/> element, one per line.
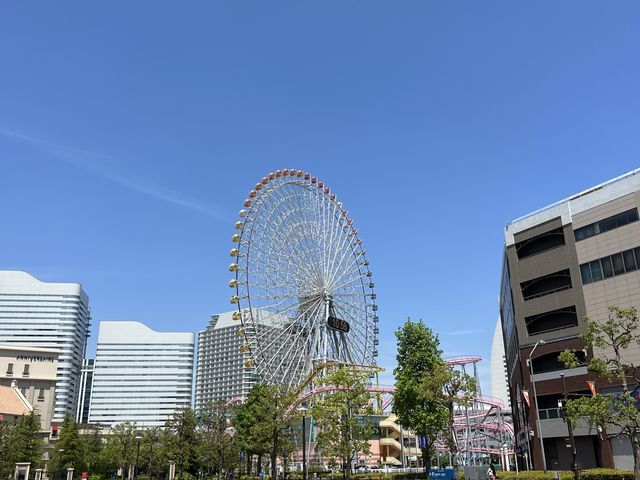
<point x="590" y="474"/>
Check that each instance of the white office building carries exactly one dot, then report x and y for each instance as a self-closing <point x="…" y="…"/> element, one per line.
<point x="47" y="315"/>
<point x="221" y="373"/>
<point x="140" y="375"/>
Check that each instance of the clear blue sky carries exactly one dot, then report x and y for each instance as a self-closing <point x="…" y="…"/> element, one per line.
<point x="130" y="133"/>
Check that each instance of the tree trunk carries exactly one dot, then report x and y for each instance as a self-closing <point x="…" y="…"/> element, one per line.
<point x="426" y="458"/>
<point x="274" y="459"/>
<point x="453" y="446"/>
<point x="635" y="443"/>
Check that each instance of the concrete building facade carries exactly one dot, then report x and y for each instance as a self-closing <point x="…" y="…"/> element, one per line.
<point x="221" y="371"/>
<point x="572" y="259"/>
<point x="33" y="371"/>
<point x="140" y="375"/>
<point x="52" y="316"/>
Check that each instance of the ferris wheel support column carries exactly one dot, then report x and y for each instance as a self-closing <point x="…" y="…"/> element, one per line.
<point x="325" y="333"/>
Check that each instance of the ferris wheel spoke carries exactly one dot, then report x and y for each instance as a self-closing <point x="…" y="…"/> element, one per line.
<point x="353" y="264"/>
<point x="340" y="257"/>
<point x="293" y="344"/>
<point x="281" y="311"/>
<point x="292" y="324"/>
<point x="286" y="239"/>
<point x="271" y="255"/>
<point x="308" y="224"/>
<point x="270" y="258"/>
<point x="333" y="229"/>
<point x="302" y="356"/>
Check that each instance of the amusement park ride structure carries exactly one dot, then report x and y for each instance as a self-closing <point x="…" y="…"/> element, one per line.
<point x="305" y="297"/>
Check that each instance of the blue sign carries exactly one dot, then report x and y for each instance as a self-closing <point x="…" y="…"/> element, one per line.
<point x="441" y="473"/>
<point x="422" y="442"/>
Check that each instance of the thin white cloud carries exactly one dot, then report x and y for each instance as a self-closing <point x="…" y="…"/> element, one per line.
<point x="458" y="333"/>
<point x="94" y="163"/>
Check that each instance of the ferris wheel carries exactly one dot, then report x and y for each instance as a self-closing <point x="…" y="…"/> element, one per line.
<point x="303" y="287"/>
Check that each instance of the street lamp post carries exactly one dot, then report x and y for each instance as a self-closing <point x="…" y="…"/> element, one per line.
<point x="535" y="398"/>
<point x="135" y="467"/>
<point x="61" y="451"/>
<point x="572" y="440"/>
<point x="304" y="442"/>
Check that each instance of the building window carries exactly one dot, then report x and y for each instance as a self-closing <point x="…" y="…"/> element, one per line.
<point x="553" y="320"/>
<point x="41" y="395"/>
<point x="25" y="372"/>
<point x="610" y="266"/>
<point x="549" y="362"/>
<point x="540" y="243"/>
<point x="546" y="285"/>
<point x="10" y="369"/>
<point x="606" y="224"/>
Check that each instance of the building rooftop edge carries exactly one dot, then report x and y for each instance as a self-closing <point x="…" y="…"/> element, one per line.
<point x="33" y="277"/>
<point x="575" y="196"/>
<point x="575" y="204"/>
<point x="26" y="346"/>
<point x="142" y="326"/>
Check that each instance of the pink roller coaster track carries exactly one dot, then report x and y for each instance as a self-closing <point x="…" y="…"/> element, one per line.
<point x="487" y="409"/>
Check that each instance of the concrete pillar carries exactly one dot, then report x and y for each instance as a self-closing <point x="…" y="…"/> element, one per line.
<point x="22" y="471"/>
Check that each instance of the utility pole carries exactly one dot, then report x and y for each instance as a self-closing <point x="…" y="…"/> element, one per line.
<point x="572" y="440"/>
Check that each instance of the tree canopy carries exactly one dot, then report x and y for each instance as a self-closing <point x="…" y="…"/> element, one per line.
<point x="341" y="417"/>
<point x="418" y="357"/>
<point x="616" y="413"/>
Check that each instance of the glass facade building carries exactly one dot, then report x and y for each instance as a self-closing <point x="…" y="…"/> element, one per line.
<point x="47" y="315"/>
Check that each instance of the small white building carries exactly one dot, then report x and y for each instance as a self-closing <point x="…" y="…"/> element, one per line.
<point x="140" y="375"/>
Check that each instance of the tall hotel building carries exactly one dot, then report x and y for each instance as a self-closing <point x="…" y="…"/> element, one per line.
<point x="140" y="375"/>
<point x="221" y="373"/>
<point x="573" y="258"/>
<point x="47" y="315"/>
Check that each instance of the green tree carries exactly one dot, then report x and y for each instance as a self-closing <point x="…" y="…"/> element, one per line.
<point x="450" y="388"/>
<point x="93" y="446"/>
<point x="120" y="449"/>
<point x="150" y="451"/>
<point x="263" y="423"/>
<point x="218" y="450"/>
<point x="616" y="413"/>
<point x="179" y="441"/>
<point x="6" y="431"/>
<point x="341" y="417"/>
<point x="20" y="442"/>
<point x="70" y="450"/>
<point x="418" y="356"/>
